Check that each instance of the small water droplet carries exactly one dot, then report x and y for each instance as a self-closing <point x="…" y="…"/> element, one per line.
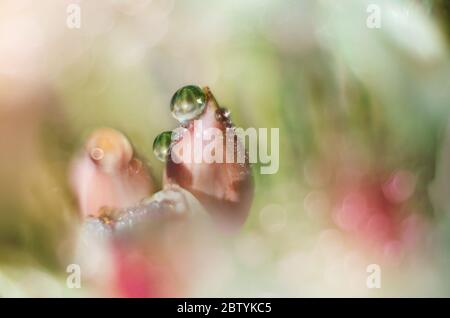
<point x="188" y="103"/>
<point x="178" y="133"/>
<point x="97" y="153"/>
<point x="161" y="145"/>
<point x="135" y="166"/>
<point x="219" y="115"/>
<point x="226" y="112"/>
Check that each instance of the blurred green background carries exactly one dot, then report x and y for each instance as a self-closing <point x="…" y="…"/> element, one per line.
<point x="363" y="115"/>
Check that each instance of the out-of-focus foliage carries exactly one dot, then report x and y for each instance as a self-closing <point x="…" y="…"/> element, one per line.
<point x="363" y="115"/>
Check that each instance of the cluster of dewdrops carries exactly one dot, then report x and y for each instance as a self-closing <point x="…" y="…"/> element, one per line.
<point x="187" y="104"/>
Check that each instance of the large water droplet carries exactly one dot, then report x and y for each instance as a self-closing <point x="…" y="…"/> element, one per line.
<point x="161" y="145"/>
<point x="188" y="103"/>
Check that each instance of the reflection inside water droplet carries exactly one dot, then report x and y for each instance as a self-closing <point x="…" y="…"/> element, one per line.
<point x="188" y="103"/>
<point x="161" y="145"/>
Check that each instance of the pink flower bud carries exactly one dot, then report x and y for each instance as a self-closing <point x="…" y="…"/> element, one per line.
<point x="224" y="188"/>
<point x="107" y="173"/>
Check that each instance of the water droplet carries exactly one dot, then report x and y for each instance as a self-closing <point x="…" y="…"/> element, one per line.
<point x="161" y="145"/>
<point x="178" y="133"/>
<point x="135" y="166"/>
<point x="97" y="153"/>
<point x="219" y="115"/>
<point x="188" y="103"/>
<point x="223" y="115"/>
<point x="226" y="112"/>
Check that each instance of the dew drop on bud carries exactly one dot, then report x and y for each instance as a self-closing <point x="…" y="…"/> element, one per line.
<point x="226" y="112"/>
<point x="218" y="115"/>
<point x="97" y="153"/>
<point x="161" y="145"/>
<point x="188" y="103"/>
